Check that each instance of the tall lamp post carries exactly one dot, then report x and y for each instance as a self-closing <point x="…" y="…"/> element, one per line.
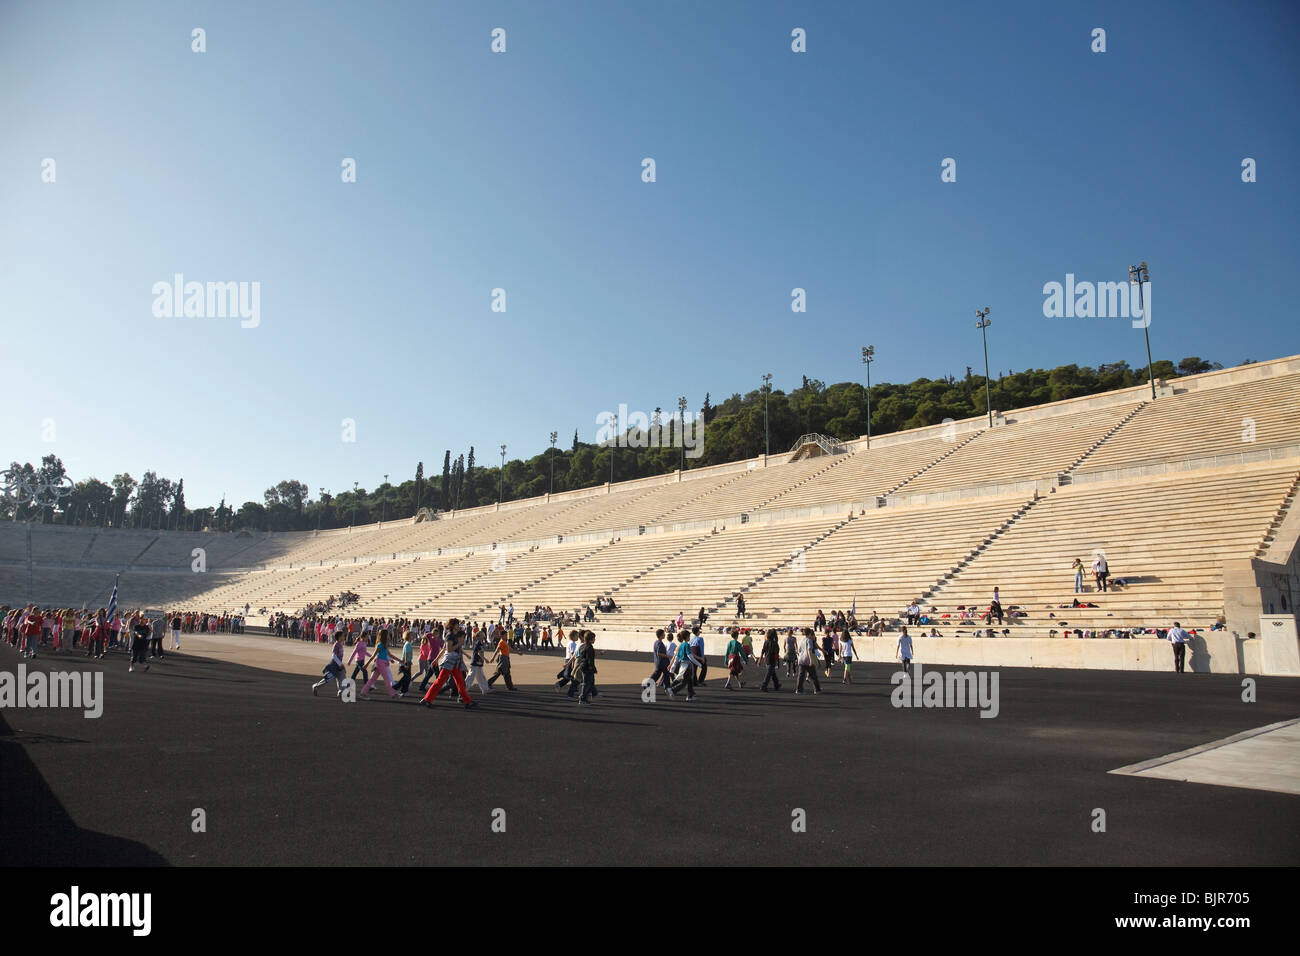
<point x="868" y="356"/>
<point x="612" y="446"/>
<point x="501" y="486"/>
<point x="1139" y="275"/>
<point x="767" y="432"/>
<point x="982" y="322"/>
<point x="681" y="433"/>
<point x="554" y="436"/>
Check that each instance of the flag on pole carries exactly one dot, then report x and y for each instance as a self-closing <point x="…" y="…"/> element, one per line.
<point x="854" y="609"/>
<point x="112" y="600"/>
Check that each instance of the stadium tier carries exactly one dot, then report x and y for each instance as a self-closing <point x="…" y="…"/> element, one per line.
<point x="1171" y="490"/>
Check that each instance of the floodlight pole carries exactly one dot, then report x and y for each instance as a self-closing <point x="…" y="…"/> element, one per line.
<point x="554" y="436"/>
<point x="868" y="356"/>
<point x="767" y="433"/>
<point x="982" y="323"/>
<point x="1139" y="275"/>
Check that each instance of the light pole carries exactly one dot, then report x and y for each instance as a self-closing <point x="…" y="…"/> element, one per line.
<point x="1139" y="275"/>
<point x="868" y="356"/>
<point x="681" y="437"/>
<point x="501" y="488"/>
<point x="982" y="323"/>
<point x="613" y="445"/>
<point x="383" y="502"/>
<point x="554" y="435"/>
<point x="354" y="503"/>
<point x="319" y="508"/>
<point x="767" y="432"/>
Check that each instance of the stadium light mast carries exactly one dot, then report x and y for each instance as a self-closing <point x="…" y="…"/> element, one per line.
<point x="1139" y="275"/>
<point x="982" y="323"/>
<point x="554" y="436"/>
<point x="613" y="445"/>
<point x="868" y="356"/>
<point x="767" y="432"/>
<point x="681" y="437"/>
<point x="501" y="487"/>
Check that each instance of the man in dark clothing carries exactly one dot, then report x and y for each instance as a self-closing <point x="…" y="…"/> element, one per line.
<point x="771" y="656"/>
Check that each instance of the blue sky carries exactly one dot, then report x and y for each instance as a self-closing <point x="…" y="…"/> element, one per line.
<point x="522" y="171"/>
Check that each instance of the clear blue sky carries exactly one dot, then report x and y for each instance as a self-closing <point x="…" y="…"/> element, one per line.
<point x="523" y="171"/>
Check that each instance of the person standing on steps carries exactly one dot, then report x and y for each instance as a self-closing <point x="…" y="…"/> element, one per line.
<point x="1101" y="571"/>
<point x="1077" y="568"/>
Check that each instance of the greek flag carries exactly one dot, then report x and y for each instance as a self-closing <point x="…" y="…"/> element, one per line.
<point x="112" y="601"/>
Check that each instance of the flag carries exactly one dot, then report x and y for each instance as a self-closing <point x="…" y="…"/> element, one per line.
<point x="112" y="600"/>
<point x="854" y="609"/>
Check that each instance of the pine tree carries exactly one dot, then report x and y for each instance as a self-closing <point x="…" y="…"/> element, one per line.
<point x="419" y="484"/>
<point x="707" y="412"/>
<point x="575" y="441"/>
<point x="178" y="503"/>
<point x="446" y="481"/>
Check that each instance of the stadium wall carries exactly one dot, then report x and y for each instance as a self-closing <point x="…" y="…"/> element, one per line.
<point x="1214" y="653"/>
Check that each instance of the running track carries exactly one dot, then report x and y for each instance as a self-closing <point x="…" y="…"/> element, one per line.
<point x="286" y="778"/>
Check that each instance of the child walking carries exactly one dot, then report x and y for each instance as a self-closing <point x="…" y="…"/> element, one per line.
<point x="380" y="659"/>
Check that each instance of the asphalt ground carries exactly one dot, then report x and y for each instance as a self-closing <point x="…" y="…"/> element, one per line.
<point x="283" y="777"/>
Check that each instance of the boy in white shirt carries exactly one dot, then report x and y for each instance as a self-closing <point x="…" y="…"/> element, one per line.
<point x="904" y="652"/>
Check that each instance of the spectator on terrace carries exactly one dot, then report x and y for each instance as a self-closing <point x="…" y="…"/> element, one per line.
<point x="1077" y="568"/>
<point x="740" y="606"/>
<point x="1101" y="570"/>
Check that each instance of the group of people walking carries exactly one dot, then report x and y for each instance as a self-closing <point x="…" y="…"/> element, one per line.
<point x="31" y="629"/>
